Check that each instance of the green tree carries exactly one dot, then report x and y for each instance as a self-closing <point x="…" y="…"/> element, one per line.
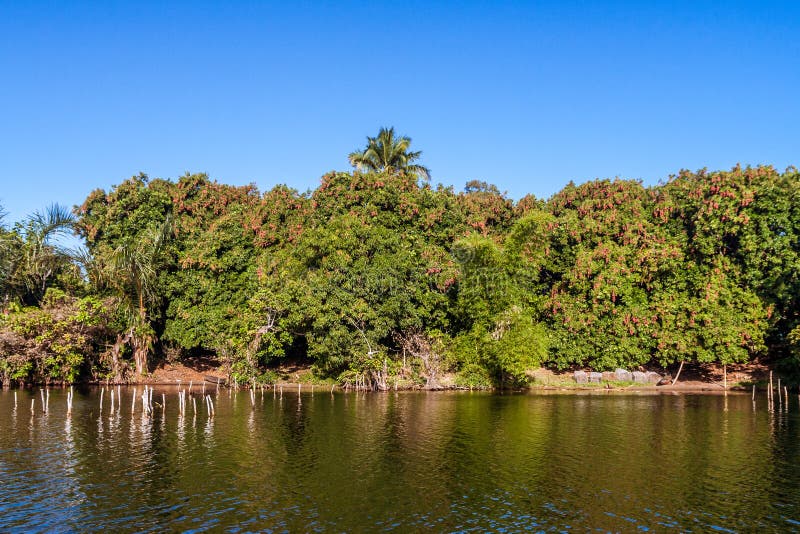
<point x="500" y="297"/>
<point x="388" y="153"/>
<point x="134" y="267"/>
<point x="9" y="247"/>
<point x="31" y="257"/>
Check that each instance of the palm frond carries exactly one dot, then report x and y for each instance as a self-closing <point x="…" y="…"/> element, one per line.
<point x="387" y="152"/>
<point x="53" y="220"/>
<point x="420" y="171"/>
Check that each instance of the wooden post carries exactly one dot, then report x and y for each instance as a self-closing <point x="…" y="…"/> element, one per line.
<point x="770" y="392"/>
<point x="678" y="373"/>
<point x="210" y="406"/>
<point x="725" y="377"/>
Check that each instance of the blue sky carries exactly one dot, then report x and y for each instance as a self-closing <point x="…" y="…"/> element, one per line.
<point x="526" y="95"/>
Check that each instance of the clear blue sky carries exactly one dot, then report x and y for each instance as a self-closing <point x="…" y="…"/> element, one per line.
<point x="526" y="95"/>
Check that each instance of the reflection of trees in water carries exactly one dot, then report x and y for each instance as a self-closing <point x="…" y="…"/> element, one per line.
<point x="355" y="459"/>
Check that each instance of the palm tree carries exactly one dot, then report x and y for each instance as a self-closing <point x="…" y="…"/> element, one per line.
<point x="134" y="268"/>
<point x="387" y="153"/>
<point x="7" y="250"/>
<point x="39" y="257"/>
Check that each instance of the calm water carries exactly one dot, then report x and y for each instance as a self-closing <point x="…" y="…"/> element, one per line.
<point x="403" y="462"/>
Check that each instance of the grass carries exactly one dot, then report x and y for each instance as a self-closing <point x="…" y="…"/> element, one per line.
<point x="551" y="381"/>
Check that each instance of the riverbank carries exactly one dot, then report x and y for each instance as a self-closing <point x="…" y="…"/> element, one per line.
<point x="694" y="378"/>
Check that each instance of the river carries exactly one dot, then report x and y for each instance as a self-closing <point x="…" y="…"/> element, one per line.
<point x="400" y="461"/>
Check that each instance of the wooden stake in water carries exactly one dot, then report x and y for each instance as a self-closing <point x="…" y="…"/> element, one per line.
<point x="190" y="386"/>
<point x="43" y="405"/>
<point x="112" y="401"/>
<point x="770" y="393"/>
<point x="15" y="401"/>
<point x="163" y="403"/>
<point x="210" y="406"/>
<point x="145" y="405"/>
<point x="33" y="405"/>
<point x="101" y="399"/>
<point x="47" y="402"/>
<point x="133" y="401"/>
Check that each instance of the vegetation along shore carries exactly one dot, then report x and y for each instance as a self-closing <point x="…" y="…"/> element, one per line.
<point x="378" y="278"/>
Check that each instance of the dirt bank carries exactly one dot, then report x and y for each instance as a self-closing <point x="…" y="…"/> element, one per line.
<point x="693" y="378"/>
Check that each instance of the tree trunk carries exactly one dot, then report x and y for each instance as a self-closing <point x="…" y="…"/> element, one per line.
<point x="140" y="346"/>
<point x="140" y="350"/>
<point x="116" y="368"/>
<point x="140" y="358"/>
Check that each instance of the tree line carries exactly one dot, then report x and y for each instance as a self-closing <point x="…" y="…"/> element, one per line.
<point x="377" y="276"/>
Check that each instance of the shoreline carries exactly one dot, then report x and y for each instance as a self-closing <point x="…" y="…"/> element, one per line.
<point x="706" y="379"/>
<point x="305" y="387"/>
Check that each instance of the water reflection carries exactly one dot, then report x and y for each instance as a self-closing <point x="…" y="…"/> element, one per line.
<point x="405" y="461"/>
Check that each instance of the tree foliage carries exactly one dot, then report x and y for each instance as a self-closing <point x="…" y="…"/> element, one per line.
<point x="388" y="153"/>
<point x="376" y="276"/>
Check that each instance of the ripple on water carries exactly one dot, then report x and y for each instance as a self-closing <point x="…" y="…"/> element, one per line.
<point x="400" y="462"/>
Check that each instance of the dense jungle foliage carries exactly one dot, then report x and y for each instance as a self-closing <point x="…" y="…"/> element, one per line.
<point x="376" y="276"/>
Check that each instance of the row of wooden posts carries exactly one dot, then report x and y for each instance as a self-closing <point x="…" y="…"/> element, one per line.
<point x="783" y="395"/>
<point x="147" y="399"/>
